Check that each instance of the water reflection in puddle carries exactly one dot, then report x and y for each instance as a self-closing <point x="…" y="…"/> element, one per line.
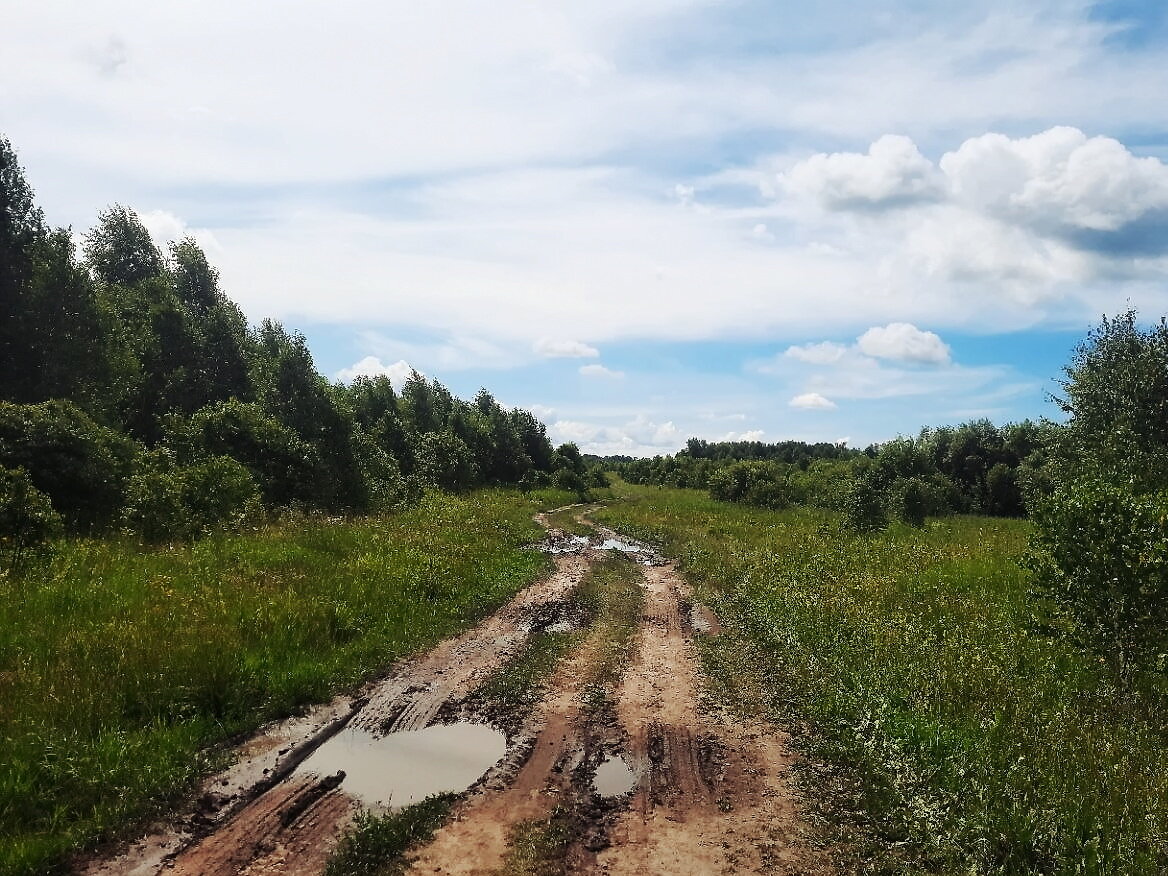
<point x="404" y="768"/>
<point x="615" y="544"/>
<point x="614" y="777"/>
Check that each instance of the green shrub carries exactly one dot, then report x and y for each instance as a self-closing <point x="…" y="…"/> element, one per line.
<point x="80" y="465"/>
<point x="168" y="501"/>
<point x="27" y="517"/>
<point x="864" y="509"/>
<point x="1100" y="553"/>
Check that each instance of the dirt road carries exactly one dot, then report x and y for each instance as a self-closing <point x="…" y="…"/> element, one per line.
<point x="636" y="777"/>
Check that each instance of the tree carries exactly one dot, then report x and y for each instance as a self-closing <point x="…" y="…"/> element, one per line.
<point x="119" y="248"/>
<point x="1100" y="548"/>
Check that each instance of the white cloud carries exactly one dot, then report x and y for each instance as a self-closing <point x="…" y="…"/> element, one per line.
<point x="639" y="436"/>
<point x="541" y="412"/>
<point x="748" y="435"/>
<point x="553" y="349"/>
<point x="398" y="372"/>
<point x="600" y="371"/>
<point x="817" y="354"/>
<point x="903" y="342"/>
<point x="812" y="401"/>
<point x="165" y="228"/>
<point x="892" y="173"/>
<point x="1059" y="178"/>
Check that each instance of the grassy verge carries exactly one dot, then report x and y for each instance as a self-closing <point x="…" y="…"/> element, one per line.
<point x="121" y="665"/>
<point x="376" y="844"/>
<point x="958" y="738"/>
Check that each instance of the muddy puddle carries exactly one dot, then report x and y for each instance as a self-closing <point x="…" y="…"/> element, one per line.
<point x="614" y="777"/>
<point x="403" y="768"/>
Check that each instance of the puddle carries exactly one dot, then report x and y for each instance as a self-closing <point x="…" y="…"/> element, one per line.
<point x="615" y="544"/>
<point x="614" y="777"/>
<point x="404" y="768"/>
<point x="571" y="544"/>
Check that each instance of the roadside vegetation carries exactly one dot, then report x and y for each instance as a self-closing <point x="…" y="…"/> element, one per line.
<point x="965" y="733"/>
<point x="121" y="666"/>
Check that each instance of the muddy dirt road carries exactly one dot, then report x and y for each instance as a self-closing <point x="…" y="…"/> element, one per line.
<point x="634" y="777"/>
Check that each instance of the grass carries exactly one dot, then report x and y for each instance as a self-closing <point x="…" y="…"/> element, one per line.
<point x="957" y="737"/>
<point x="566" y="520"/>
<point x="539" y="848"/>
<point x="611" y="592"/>
<point x="376" y="844"/>
<point x="121" y="667"/>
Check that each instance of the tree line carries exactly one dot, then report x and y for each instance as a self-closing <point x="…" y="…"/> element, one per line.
<point x="134" y="393"/>
<point x="976" y="467"/>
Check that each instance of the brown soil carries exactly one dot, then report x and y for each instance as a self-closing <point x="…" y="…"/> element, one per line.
<point x="712" y="795"/>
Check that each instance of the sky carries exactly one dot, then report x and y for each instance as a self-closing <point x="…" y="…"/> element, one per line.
<point x="642" y="221"/>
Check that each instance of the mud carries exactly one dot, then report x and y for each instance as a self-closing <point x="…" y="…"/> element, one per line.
<point x="643" y="777"/>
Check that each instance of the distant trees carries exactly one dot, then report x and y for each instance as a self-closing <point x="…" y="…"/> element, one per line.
<point x="976" y="467"/>
<point x="133" y="392"/>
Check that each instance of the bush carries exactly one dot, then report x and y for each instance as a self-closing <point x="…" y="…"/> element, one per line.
<point x="168" y="501"/>
<point x="864" y="509"/>
<point x="80" y="465"/>
<point x="1100" y="553"/>
<point x="27" y="517"/>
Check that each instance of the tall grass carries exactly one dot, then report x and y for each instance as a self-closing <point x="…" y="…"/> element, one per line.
<point x="120" y="665"/>
<point x="969" y="740"/>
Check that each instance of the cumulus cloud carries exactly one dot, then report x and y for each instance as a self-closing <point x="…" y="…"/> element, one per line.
<point x="892" y="173"/>
<point x="563" y="349"/>
<point x="600" y="371"/>
<point x="817" y="354"/>
<point x="1058" y="179"/>
<point x="903" y="342"/>
<point x="812" y="401"/>
<point x="165" y="227"/>
<point x="398" y="373"/>
<point x="748" y="435"/>
<point x="640" y="436"/>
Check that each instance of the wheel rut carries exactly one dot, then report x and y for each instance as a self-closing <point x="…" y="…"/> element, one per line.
<point x="705" y="793"/>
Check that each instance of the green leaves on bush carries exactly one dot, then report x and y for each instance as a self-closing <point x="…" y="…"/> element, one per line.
<point x="169" y="501"/>
<point x="27" y="517"/>
<point x="1100" y="552"/>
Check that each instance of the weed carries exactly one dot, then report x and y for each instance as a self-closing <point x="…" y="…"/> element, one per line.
<point x="376" y="844"/>
<point x="955" y="736"/>
<point x="121" y="665"/>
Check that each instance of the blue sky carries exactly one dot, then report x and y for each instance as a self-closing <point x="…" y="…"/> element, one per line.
<point x="643" y="221"/>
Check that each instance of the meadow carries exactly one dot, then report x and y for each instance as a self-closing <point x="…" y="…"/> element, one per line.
<point x="947" y="728"/>
<point x="124" y="668"/>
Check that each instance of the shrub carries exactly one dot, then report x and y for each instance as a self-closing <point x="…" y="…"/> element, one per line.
<point x="80" y="465"/>
<point x="168" y="501"/>
<point x="27" y="517"/>
<point x="864" y="509"/>
<point x="1100" y="553"/>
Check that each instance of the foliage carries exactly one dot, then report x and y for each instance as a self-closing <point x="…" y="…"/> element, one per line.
<point x="80" y="465"/>
<point x="1100" y="552"/>
<point x="376" y="844"/>
<point x="864" y="506"/>
<point x="120" y="664"/>
<point x="954" y="735"/>
<point x="27" y="517"/>
<point x="166" y="501"/>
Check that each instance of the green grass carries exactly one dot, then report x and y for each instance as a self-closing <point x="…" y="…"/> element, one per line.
<point x="520" y="683"/>
<point x="376" y="844"/>
<point x="957" y="737"/>
<point x="538" y="848"/>
<point x="121" y="666"/>
<point x="566" y="520"/>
